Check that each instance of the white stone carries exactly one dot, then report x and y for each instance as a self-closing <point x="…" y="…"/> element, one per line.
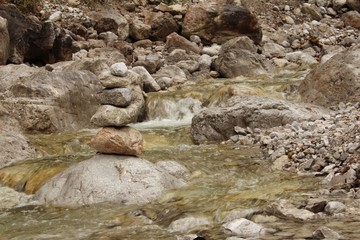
<point x="188" y="223"/>
<point x="56" y="16"/>
<point x="119" y="69"/>
<point x="242" y="228"/>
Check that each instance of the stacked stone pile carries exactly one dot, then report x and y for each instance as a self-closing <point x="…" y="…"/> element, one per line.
<point x="327" y="147"/>
<point x="122" y="103"/>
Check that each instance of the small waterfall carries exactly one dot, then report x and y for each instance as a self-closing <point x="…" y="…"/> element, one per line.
<point x="173" y="109"/>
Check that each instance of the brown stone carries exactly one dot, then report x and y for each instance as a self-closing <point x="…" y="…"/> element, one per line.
<point x="215" y="23"/>
<point x="122" y="141"/>
<point x="175" y="41"/>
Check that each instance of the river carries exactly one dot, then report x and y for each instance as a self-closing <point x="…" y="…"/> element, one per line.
<point x="223" y="178"/>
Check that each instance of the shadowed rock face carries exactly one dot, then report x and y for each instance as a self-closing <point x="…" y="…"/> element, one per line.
<point x="34" y="41"/>
<point x="213" y="23"/>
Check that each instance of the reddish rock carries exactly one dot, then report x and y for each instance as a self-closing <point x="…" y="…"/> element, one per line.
<point x="162" y="24"/>
<point x="175" y="41"/>
<point x="122" y="141"/>
<point x="214" y="23"/>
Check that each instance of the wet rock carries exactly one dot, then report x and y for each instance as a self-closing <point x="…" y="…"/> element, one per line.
<point x="334" y="81"/>
<point x="217" y="24"/>
<point x="326" y="233"/>
<point x="4" y="41"/>
<point x="238" y="57"/>
<point x="240" y="213"/>
<point x="242" y="228"/>
<point x="119" y="97"/>
<point x="175" y="41"/>
<point x="121" y="141"/>
<point x="316" y="205"/>
<point x="119" y="69"/>
<point x="174" y="168"/>
<point x="9" y="198"/>
<point x="217" y="124"/>
<point x="187" y="224"/>
<point x="149" y="83"/>
<point x="285" y="209"/>
<point x="51" y="102"/>
<point x="333" y="207"/>
<point x="108" y="178"/>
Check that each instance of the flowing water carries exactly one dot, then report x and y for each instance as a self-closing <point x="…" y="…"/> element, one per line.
<point x="223" y="178"/>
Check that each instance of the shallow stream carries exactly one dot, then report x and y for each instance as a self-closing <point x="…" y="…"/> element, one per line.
<point x="223" y="178"/>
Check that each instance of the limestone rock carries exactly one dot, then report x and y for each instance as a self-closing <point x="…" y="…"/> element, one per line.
<point x="122" y="141"/>
<point x="238" y="57"/>
<point x="337" y="80"/>
<point x="4" y="41"/>
<point x="108" y="178"/>
<point x="175" y="41"/>
<point x="217" y="24"/>
<point x="51" y="102"/>
<point x="242" y="228"/>
<point x="119" y="97"/>
<point x="217" y="124"/>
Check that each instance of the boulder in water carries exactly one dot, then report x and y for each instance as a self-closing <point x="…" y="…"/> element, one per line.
<point x="122" y="141"/>
<point x="217" y="124"/>
<point x="108" y="178"/>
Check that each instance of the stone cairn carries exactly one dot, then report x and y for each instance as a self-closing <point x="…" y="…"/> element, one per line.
<point x="122" y="102"/>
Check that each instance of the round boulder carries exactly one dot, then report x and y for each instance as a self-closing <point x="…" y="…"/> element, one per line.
<point x="108" y="178"/>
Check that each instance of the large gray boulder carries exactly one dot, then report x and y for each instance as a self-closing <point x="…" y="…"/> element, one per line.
<point x="11" y="73"/>
<point x="218" y="23"/>
<point x="108" y="178"/>
<point x="337" y="80"/>
<point x="53" y="101"/>
<point x="4" y="41"/>
<point x="217" y="124"/>
<point x="238" y="57"/>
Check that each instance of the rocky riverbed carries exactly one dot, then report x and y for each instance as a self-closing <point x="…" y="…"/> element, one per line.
<point x="70" y="65"/>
